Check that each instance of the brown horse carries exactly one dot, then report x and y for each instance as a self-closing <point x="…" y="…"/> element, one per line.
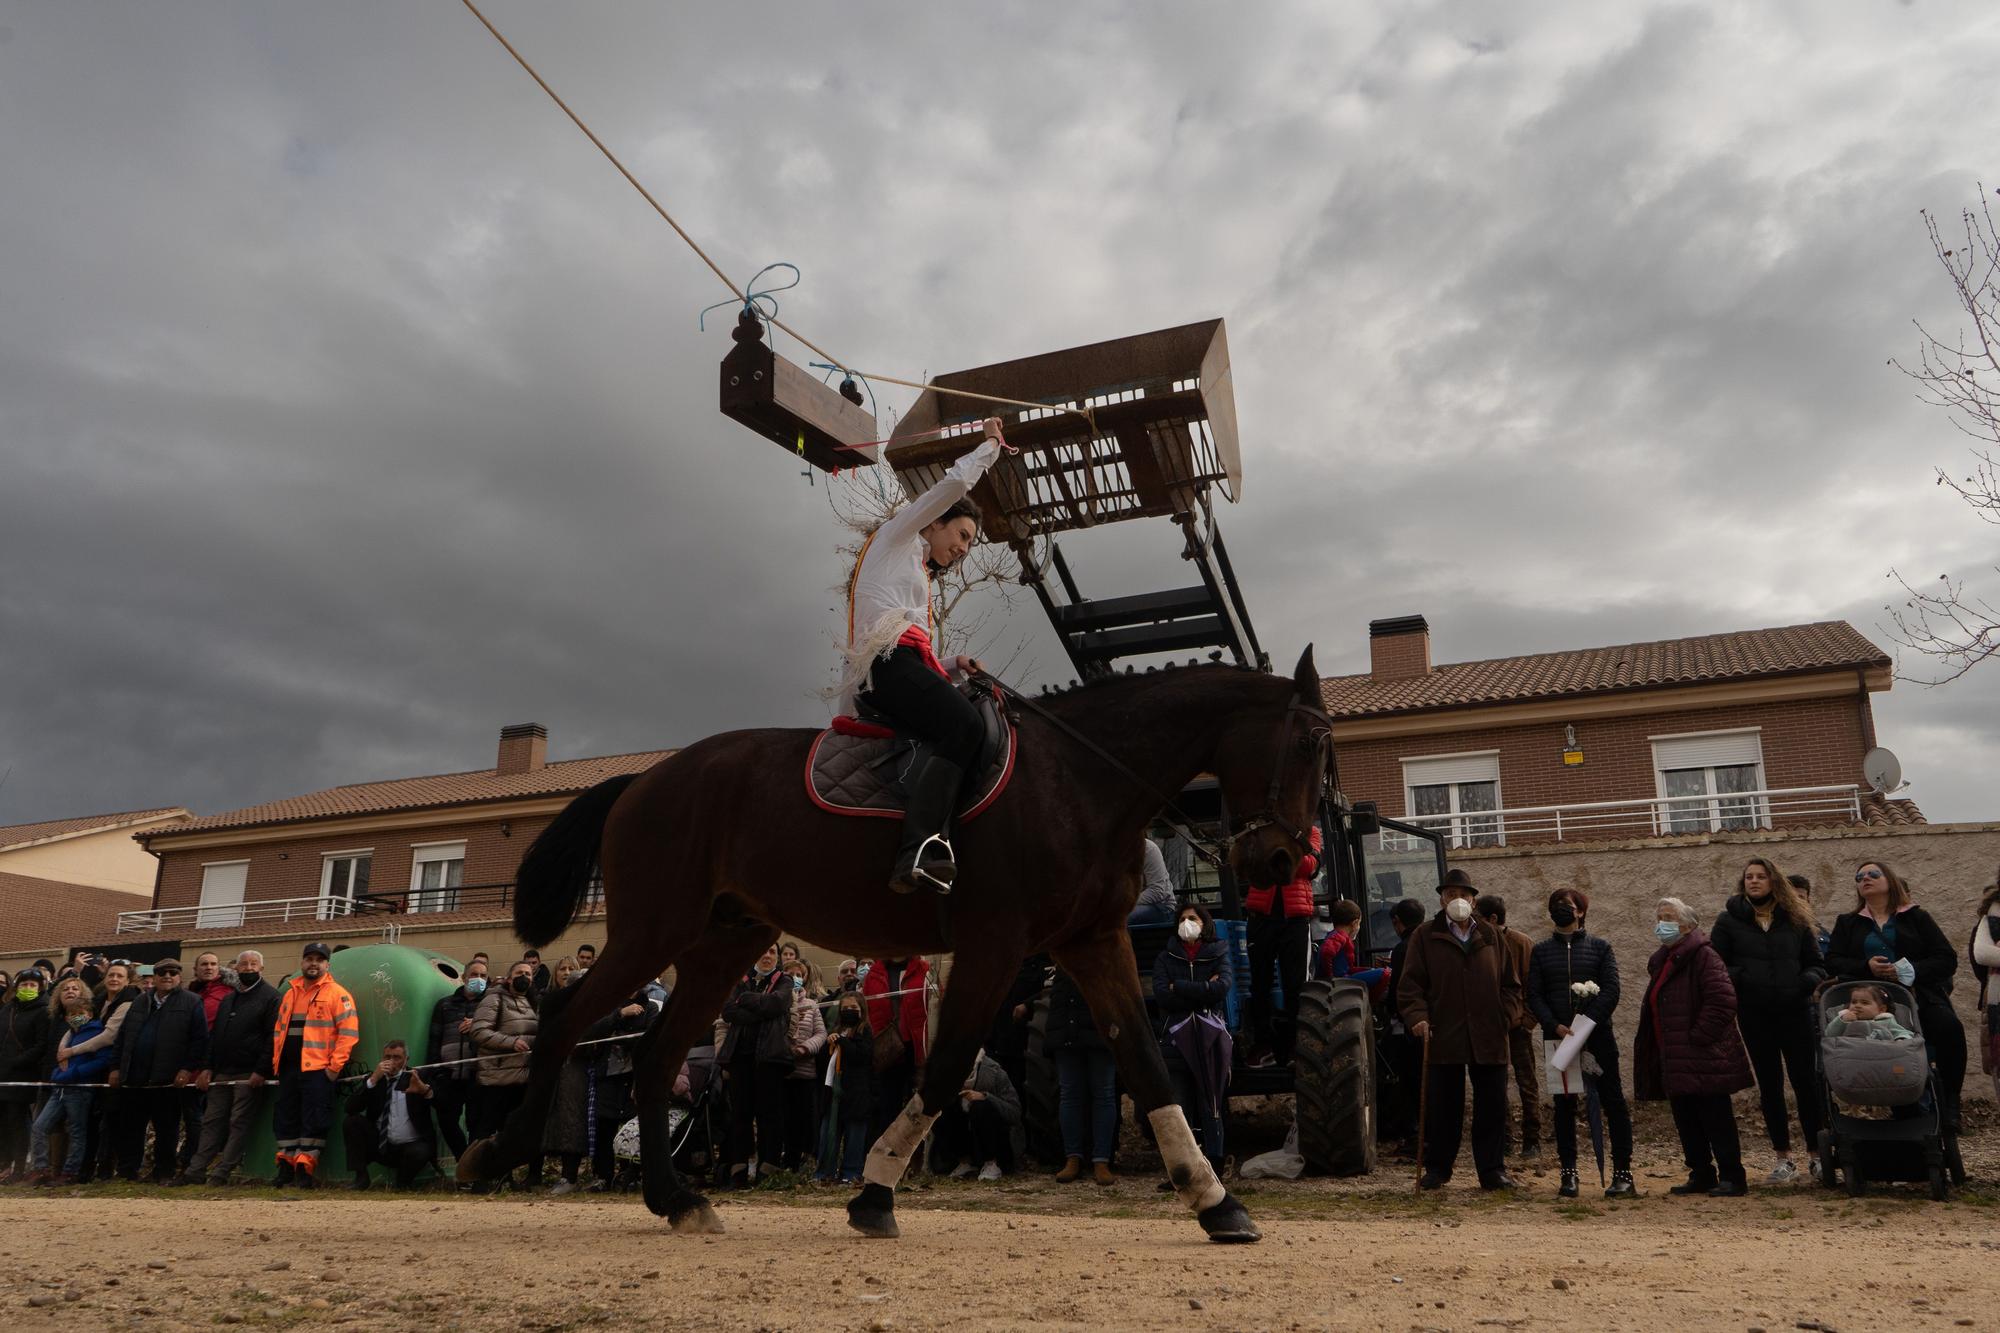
<point x="714" y="851"/>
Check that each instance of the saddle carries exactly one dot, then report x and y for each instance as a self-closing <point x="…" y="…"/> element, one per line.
<point x="858" y="765"/>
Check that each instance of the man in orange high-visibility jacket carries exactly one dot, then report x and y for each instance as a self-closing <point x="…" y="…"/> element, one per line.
<point x="316" y="1031"/>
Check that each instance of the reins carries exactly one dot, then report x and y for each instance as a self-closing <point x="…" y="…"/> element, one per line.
<point x="1174" y="817"/>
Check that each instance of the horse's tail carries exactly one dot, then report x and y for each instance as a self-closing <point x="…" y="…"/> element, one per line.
<point x="557" y="869"/>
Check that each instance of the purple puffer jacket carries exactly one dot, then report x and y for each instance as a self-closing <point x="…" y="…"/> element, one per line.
<point x="1688" y="1044"/>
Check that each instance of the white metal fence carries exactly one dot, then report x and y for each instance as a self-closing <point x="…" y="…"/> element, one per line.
<point x="1651" y="817"/>
<point x="222" y="916"/>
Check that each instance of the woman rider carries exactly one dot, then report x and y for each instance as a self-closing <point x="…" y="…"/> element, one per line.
<point x="893" y="668"/>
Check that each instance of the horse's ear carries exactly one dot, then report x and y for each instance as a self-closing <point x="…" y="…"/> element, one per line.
<point x="1305" y="677"/>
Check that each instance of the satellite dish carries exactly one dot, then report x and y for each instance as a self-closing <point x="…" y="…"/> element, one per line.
<point x="1883" y="770"/>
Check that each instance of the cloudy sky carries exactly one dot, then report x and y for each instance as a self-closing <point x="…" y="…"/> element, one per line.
<point x="351" y="406"/>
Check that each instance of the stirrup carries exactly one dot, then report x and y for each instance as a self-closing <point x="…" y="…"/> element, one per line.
<point x="949" y="868"/>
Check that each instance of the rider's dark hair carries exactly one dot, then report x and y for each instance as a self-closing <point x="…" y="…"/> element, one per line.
<point x="963" y="508"/>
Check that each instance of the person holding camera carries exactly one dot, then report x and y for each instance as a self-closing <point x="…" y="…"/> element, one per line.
<point x="389" y="1121"/>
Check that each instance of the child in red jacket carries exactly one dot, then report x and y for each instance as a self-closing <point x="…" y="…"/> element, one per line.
<point x="1339" y="956"/>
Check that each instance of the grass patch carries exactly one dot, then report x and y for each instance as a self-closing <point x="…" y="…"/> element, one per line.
<point x="1576" y="1212"/>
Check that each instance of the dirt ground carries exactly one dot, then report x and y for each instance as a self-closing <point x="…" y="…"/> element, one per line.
<point x="1024" y="1253"/>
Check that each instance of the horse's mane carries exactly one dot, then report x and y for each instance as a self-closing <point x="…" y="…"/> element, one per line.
<point x="1101" y="688"/>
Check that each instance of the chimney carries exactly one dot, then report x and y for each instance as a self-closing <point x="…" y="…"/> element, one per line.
<point x="524" y="747"/>
<point x="1399" y="648"/>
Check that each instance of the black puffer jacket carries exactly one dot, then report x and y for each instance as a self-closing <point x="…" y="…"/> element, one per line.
<point x="1071" y="1027"/>
<point x="1558" y="961"/>
<point x="1772" y="970"/>
<point x="446" y="1044"/>
<point x="240" y="1041"/>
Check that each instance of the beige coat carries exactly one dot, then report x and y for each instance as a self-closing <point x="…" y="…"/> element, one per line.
<point x="501" y="1018"/>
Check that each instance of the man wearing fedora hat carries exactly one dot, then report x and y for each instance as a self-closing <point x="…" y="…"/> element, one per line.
<point x="1458" y="992"/>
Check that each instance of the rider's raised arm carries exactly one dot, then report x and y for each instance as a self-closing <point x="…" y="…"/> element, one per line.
<point x="955" y="485"/>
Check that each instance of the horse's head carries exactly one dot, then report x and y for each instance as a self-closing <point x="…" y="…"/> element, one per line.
<point x="1272" y="764"/>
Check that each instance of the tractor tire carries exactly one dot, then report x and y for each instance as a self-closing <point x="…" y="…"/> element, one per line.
<point x="1333" y="1071"/>
<point x="1040" y="1117"/>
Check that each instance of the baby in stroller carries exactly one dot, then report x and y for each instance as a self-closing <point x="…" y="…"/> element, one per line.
<point x="1868" y="1015"/>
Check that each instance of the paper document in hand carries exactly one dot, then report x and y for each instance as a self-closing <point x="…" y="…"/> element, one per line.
<point x="1564" y="1077"/>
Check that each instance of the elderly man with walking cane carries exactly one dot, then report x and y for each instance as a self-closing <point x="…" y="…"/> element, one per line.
<point x="1458" y="993"/>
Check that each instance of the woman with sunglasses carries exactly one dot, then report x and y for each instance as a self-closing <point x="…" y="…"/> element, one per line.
<point x="1888" y="938"/>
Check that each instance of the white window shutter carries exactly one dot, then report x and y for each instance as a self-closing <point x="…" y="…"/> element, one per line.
<point x="1484" y="767"/>
<point x="1714" y="750"/>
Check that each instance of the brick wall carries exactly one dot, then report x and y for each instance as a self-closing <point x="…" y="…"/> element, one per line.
<point x="292" y="868"/>
<point x="1807" y="743"/>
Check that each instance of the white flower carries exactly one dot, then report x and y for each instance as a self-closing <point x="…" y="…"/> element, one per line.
<point x="1584" y="989"/>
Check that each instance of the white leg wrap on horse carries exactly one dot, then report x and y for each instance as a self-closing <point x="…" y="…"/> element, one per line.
<point x="890" y="1157"/>
<point x="1194" y="1179"/>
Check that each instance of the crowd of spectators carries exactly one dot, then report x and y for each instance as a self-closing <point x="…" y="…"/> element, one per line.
<point x="119" y="1070"/>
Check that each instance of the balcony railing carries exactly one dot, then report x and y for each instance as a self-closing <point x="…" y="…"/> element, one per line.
<point x="268" y="911"/>
<point x="1652" y="817"/>
<point x="496" y="898"/>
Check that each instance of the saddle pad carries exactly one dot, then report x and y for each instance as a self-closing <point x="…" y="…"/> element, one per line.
<point x="862" y="775"/>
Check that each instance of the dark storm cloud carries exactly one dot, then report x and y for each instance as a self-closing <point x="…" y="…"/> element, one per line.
<point x="351" y="406"/>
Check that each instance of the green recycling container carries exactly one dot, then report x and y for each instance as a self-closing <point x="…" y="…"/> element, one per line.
<point x="395" y="987"/>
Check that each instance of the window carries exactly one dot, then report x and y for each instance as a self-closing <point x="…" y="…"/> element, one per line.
<point x="436" y="871"/>
<point x="222" y="885"/>
<point x="343" y="878"/>
<point x="1702" y="775"/>
<point x="1454" y="793"/>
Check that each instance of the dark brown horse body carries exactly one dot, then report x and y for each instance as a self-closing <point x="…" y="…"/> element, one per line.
<point x="710" y="855"/>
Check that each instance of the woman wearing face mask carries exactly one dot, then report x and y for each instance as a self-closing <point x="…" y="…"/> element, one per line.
<point x="1888" y="938"/>
<point x="757" y="1054"/>
<point x="69" y="1105"/>
<point x="806" y="1036"/>
<point x="1191" y="980"/>
<point x="1765" y="936"/>
<point x="27" y="1051"/>
<point x="1689" y="1053"/>
<point x="844" y="1137"/>
<point x="1562" y="970"/>
<point x="455" y="1086"/>
<point x="504" y="1024"/>
<point x="112" y="1006"/>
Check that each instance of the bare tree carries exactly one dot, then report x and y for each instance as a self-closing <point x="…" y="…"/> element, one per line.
<point x="1948" y="623"/>
<point x="965" y="599"/>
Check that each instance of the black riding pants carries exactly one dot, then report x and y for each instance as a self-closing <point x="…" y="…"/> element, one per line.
<point x="1281" y="943"/>
<point x="923" y="703"/>
<point x="1781" y="1041"/>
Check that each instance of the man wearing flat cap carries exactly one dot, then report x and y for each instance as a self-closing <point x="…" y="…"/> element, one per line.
<point x="1457" y="993"/>
<point x="315" y="1033"/>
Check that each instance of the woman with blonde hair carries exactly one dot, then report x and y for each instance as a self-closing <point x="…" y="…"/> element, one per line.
<point x="69" y="1105"/>
<point x="1766" y="938"/>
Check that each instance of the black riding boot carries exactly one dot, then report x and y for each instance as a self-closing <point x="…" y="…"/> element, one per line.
<point x="925" y="854"/>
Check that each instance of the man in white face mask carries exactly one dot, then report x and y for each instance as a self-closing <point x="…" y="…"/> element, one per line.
<point x="1459" y="986"/>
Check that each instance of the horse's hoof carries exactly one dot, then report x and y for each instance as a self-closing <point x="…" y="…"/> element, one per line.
<point x="471" y="1168"/>
<point x="873" y="1212"/>
<point x="1228" y="1222"/>
<point x="695" y="1218"/>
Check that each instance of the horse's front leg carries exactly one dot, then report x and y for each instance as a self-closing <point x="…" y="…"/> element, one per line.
<point x="1106" y="972"/>
<point x="979" y="982"/>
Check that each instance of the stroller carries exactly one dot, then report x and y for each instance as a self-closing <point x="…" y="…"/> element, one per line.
<point x="696" y="1124"/>
<point x="1915" y="1143"/>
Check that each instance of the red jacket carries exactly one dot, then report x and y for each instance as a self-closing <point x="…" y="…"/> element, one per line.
<point x="910" y="1014"/>
<point x="1298" y="899"/>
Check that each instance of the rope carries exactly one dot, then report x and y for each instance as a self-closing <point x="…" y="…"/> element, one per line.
<point x="715" y="268"/>
<point x="449" y="1064"/>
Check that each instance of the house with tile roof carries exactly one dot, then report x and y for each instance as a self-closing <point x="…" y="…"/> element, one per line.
<point x="96" y="851"/>
<point x="1753" y="730"/>
<point x="428" y="859"/>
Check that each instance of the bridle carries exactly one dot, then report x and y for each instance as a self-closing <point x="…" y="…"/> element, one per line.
<point x="1316" y="739"/>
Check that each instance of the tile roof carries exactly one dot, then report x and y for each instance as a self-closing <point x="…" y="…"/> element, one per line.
<point x="18" y="835"/>
<point x="1702" y="660"/>
<point x="48" y="916"/>
<point x="442" y="790"/>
